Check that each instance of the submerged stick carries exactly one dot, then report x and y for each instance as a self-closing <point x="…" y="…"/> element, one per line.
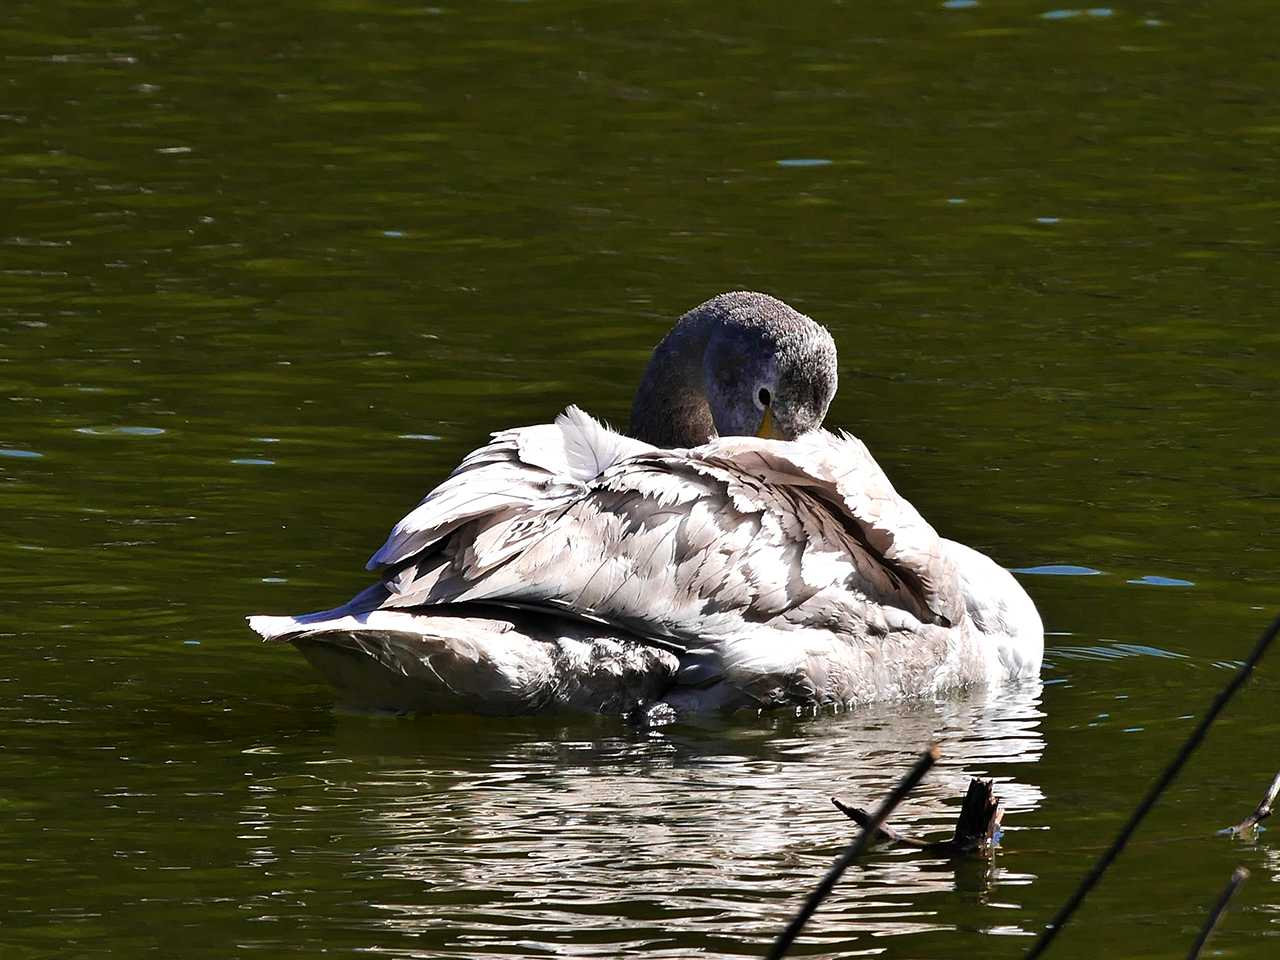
<point x="852" y="852"/>
<point x="1108" y="857"/>
<point x="976" y="826"/>
<point x="1238" y="876"/>
<point x="1260" y="813"/>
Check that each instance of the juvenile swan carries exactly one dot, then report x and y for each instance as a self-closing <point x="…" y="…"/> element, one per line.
<point x="730" y="554"/>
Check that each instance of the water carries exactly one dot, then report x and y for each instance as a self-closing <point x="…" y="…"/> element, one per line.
<point x="268" y="271"/>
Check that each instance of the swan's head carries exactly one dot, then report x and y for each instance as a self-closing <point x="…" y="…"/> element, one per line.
<point x="768" y="371"/>
<point x="741" y="364"/>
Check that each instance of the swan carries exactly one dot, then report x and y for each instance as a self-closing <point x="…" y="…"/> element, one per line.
<point x="729" y="554"/>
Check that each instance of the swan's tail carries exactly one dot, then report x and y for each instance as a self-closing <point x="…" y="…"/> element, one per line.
<point x="467" y="661"/>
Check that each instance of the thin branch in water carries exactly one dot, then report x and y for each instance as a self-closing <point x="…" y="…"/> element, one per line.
<point x="1238" y="876"/>
<point x="1167" y="777"/>
<point x="883" y="833"/>
<point x="852" y="852"/>
<point x="975" y="832"/>
<point x="1263" y="810"/>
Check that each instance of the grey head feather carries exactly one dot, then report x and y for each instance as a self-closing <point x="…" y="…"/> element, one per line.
<point x="728" y="361"/>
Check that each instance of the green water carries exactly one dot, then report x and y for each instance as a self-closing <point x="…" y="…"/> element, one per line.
<point x="268" y="270"/>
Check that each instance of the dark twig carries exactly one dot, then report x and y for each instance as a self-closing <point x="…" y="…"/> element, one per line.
<point x="1167" y="777"/>
<point x="1264" y="809"/>
<point x="852" y="852"/>
<point x="885" y="833"/>
<point x="1238" y="876"/>
<point x="975" y="831"/>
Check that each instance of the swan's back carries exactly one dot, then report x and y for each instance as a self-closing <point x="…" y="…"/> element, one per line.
<point x="780" y="571"/>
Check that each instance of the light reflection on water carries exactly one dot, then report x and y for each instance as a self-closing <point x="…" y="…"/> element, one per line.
<point x="581" y="842"/>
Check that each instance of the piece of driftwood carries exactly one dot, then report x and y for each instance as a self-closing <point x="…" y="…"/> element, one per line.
<point x="853" y="851"/>
<point x="1090" y="880"/>
<point x="975" y="832"/>
<point x="1249" y="825"/>
<point x="1238" y="876"/>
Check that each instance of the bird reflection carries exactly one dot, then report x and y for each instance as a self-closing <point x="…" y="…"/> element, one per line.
<point x="589" y="838"/>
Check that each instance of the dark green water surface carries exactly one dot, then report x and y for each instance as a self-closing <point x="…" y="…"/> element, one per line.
<point x="268" y="270"/>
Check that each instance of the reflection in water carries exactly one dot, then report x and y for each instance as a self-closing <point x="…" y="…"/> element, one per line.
<point x="581" y="839"/>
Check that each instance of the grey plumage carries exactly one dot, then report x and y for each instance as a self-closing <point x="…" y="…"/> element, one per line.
<point x="491" y="661"/>
<point x="703" y="379"/>
<point x="568" y="566"/>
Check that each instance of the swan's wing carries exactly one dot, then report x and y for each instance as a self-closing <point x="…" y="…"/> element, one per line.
<point x="840" y="473"/>
<point x="698" y="546"/>
<point x="524" y="471"/>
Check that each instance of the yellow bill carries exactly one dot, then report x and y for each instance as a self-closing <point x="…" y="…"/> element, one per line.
<point x="768" y="429"/>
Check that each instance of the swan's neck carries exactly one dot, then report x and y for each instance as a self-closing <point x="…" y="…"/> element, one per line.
<point x="670" y="408"/>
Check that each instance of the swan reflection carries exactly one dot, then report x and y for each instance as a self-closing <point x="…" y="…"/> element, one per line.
<point x="497" y="838"/>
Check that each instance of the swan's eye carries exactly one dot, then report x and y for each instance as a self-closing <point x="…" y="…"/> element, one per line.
<point x="764" y="396"/>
